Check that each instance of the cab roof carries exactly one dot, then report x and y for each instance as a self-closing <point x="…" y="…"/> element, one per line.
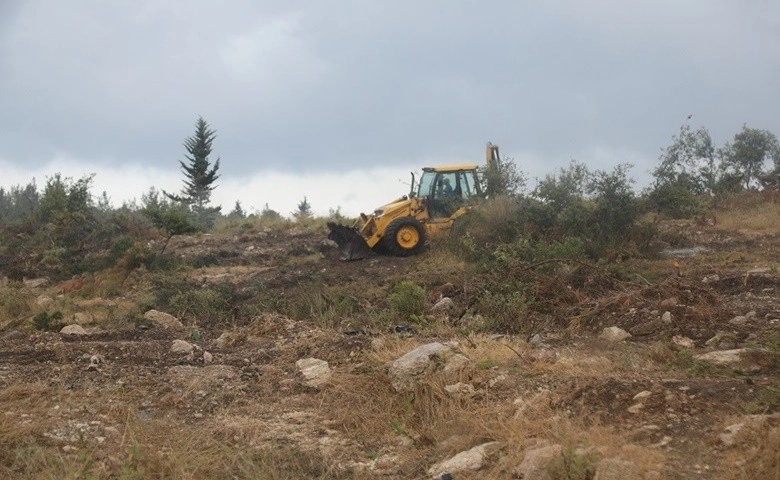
<point x="456" y="167"/>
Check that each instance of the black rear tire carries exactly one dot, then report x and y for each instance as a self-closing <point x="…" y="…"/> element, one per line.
<point x="404" y="236"/>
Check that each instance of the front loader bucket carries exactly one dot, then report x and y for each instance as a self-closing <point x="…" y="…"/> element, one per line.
<point x="351" y="244"/>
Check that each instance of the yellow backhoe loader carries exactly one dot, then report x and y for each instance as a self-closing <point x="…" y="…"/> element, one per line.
<point x="402" y="226"/>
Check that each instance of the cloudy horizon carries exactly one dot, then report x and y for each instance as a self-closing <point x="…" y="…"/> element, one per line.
<point x="338" y="101"/>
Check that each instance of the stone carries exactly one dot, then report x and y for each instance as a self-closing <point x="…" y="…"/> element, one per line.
<point x="666" y="317"/>
<point x="44" y="301"/>
<point x="723" y="340"/>
<point x="405" y="370"/>
<point x="207" y="357"/>
<point x="738" y="321"/>
<point x="728" y="437"/>
<point x="73" y="330"/>
<point x="472" y="460"/>
<point x="182" y="347"/>
<point x="163" y="319"/>
<point x="636" y="408"/>
<point x="316" y="372"/>
<point x="735" y="356"/>
<point x="446" y="306"/>
<point x="537" y="463"/>
<point x="614" y="334"/>
<point x="642" y="394"/>
<point x="669" y="302"/>
<point x="94" y="362"/>
<point x="682" y="342"/>
<point x="456" y="363"/>
<point x="463" y="390"/>
<point x="35" y="282"/>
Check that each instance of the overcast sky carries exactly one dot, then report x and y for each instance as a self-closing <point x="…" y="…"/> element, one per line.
<point x="338" y="100"/>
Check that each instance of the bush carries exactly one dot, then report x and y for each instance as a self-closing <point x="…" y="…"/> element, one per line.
<point x="504" y="312"/>
<point x="407" y="300"/>
<point x="46" y="322"/>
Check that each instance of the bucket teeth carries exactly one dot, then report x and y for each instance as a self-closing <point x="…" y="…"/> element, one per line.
<point x="351" y="244"/>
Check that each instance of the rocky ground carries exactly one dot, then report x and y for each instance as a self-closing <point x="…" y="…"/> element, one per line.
<point x="669" y="376"/>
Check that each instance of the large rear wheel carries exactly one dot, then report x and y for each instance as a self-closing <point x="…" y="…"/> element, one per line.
<point x="404" y="236"/>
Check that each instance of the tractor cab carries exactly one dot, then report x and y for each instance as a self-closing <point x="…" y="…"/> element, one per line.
<point x="447" y="188"/>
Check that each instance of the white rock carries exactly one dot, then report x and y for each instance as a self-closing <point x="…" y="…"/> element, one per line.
<point x="683" y="342"/>
<point x="642" y="394"/>
<point x="666" y="317"/>
<point x="445" y="305"/>
<point x="44" y="301"/>
<point x="537" y="462"/>
<point x="738" y="321"/>
<point x="163" y="319"/>
<point x="723" y="357"/>
<point x="405" y="370"/>
<point x="456" y="362"/>
<point x="73" y="330"/>
<point x="460" y="390"/>
<point x="35" y="282"/>
<point x="636" y="408"/>
<point x="473" y="459"/>
<point x="182" y="347"/>
<point x="727" y="438"/>
<point x="316" y="372"/>
<point x="207" y="357"/>
<point x="614" y="334"/>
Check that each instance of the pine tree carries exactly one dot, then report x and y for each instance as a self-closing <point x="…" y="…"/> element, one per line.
<point x="199" y="175"/>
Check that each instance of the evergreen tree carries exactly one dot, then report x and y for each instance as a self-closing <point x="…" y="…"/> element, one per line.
<point x="304" y="210"/>
<point x="238" y="211"/>
<point x="199" y="175"/>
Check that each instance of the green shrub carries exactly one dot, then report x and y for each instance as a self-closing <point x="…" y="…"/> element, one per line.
<point x="406" y="300"/>
<point x="504" y="312"/>
<point x="48" y="322"/>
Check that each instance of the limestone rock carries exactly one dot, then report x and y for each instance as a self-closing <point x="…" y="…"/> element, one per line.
<point x="445" y="306"/>
<point x="424" y="359"/>
<point x="537" y="462"/>
<point x="163" y="319"/>
<point x="73" y="330"/>
<point x="680" y="341"/>
<point x="316" y="372"/>
<point x="738" y="321"/>
<point x="44" y="301"/>
<point x="463" y="390"/>
<point x="723" y="340"/>
<point x="207" y="357"/>
<point x="614" y="334"/>
<point x="472" y="459"/>
<point x="35" y="282"/>
<point x="182" y="347"/>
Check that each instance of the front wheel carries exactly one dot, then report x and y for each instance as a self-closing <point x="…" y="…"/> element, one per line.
<point x="404" y="236"/>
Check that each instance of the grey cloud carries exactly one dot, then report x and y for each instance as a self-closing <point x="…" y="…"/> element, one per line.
<point x="337" y="85"/>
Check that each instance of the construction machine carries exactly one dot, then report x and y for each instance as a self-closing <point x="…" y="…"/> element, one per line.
<point x="402" y="226"/>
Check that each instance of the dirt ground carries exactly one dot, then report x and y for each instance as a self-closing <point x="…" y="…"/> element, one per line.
<point x="115" y="401"/>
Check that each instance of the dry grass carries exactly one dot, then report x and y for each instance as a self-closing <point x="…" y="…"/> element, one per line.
<point x="754" y="212"/>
